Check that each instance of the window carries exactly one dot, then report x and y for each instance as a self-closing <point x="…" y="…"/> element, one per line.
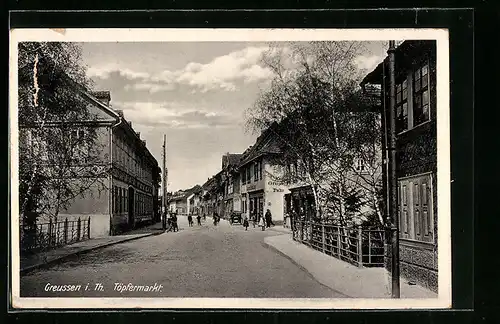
<point x="126" y="200"/>
<point x="416" y="208"/>
<point x="244" y="176"/>
<point x="249" y="174"/>
<point x="259" y="165"/>
<point x="421" y="95"/>
<point x="402" y="106"/>
<point x="412" y="99"/>
<point x="255" y="172"/>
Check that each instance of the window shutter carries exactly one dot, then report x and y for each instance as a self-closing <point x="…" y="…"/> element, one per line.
<point x="417" y="209"/>
<point x="426" y="201"/>
<point x="404" y="217"/>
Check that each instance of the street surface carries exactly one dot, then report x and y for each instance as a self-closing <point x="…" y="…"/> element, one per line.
<point x="198" y="261"/>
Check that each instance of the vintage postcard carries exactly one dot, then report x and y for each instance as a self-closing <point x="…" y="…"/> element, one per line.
<point x="230" y="168"/>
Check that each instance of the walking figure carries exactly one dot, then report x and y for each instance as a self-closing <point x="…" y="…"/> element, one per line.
<point x="262" y="224"/>
<point x="175" y="227"/>
<point x="204" y="217"/>
<point x="245" y="222"/>
<point x="269" y="219"/>
<point x="198" y="219"/>
<point x="254" y="220"/>
<point x="190" y="220"/>
<point x="216" y="219"/>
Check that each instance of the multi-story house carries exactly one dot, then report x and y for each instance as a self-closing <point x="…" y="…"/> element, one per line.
<point x="129" y="182"/>
<point x="416" y="163"/>
<point x="259" y="189"/>
<point x="231" y="183"/>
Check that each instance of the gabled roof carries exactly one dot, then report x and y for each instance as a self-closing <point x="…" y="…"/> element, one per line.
<point x="265" y="144"/>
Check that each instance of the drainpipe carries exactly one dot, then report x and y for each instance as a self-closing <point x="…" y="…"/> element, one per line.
<point x="110" y="176"/>
<point x="393" y="194"/>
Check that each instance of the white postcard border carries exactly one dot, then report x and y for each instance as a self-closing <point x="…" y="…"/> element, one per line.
<point x="243" y="35"/>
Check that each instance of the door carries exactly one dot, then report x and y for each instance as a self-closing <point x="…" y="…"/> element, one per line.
<point x="131" y="203"/>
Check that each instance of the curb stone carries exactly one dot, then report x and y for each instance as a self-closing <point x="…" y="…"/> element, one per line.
<point x="60" y="259"/>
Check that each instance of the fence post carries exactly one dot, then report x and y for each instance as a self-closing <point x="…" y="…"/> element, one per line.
<point x="323" y="236"/>
<point x="339" y="244"/>
<point x="369" y="247"/>
<point x="360" y="246"/>
<point x="66" y="231"/>
<point x="49" y="232"/>
<point x="88" y="229"/>
<point x="78" y="228"/>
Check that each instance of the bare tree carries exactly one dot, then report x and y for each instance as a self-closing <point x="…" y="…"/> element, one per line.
<point x="60" y="156"/>
<point x="324" y="125"/>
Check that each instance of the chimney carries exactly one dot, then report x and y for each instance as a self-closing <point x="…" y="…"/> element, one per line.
<point x="102" y="96"/>
<point x="120" y="112"/>
<point x="144" y="142"/>
<point x="138" y="134"/>
<point x="130" y="124"/>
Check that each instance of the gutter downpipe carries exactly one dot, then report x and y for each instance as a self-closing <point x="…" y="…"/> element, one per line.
<point x="110" y="176"/>
<point x="393" y="193"/>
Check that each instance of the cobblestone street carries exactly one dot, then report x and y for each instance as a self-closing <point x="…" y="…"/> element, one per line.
<point x="198" y="261"/>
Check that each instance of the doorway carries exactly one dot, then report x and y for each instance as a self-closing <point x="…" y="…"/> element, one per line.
<point x="131" y="203"/>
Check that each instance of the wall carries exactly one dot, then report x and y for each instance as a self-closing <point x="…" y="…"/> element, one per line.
<point x="274" y="193"/>
<point x="417" y="154"/>
<point x="99" y="223"/>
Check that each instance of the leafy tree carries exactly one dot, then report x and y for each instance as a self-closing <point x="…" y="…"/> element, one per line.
<point x="60" y="157"/>
<point x="324" y="126"/>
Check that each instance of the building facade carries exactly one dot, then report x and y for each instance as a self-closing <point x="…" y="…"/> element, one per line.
<point x="231" y="183"/>
<point x="260" y="190"/>
<point x="123" y="197"/>
<point x="416" y="145"/>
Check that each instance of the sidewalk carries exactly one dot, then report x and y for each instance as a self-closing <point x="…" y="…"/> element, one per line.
<point x="342" y="276"/>
<point x="43" y="259"/>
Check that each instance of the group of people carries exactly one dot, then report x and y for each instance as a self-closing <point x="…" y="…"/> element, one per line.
<point x="264" y="222"/>
<point x="172" y="223"/>
<point x="198" y="220"/>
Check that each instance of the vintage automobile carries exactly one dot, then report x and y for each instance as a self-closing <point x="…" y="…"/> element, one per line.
<point x="235" y="218"/>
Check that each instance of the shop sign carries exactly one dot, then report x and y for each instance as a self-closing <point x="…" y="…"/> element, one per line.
<point x="251" y="187"/>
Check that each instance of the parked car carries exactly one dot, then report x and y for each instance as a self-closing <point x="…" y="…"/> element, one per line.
<point x="235" y="218"/>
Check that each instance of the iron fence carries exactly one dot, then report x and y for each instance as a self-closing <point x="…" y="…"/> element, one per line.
<point x="46" y="236"/>
<point x="361" y="246"/>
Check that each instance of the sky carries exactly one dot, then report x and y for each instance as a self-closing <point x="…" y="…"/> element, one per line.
<point x="194" y="92"/>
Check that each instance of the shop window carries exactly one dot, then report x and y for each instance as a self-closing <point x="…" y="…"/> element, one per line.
<point x="416" y="208"/>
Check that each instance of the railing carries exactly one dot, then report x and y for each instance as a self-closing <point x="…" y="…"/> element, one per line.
<point x="46" y="236"/>
<point x="360" y="246"/>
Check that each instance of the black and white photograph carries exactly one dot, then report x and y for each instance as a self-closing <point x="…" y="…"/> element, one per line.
<point x="224" y="168"/>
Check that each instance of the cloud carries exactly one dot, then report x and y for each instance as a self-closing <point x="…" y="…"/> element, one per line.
<point x="105" y="71"/>
<point x="150" y="87"/>
<point x="222" y="73"/>
<point x="367" y="62"/>
<point x="174" y="115"/>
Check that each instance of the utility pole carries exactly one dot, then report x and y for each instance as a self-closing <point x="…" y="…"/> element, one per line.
<point x="164" y="185"/>
<point x="393" y="189"/>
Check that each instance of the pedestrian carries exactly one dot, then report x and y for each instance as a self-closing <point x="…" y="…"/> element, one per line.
<point x="254" y="220"/>
<point x="245" y="222"/>
<point x="262" y="224"/>
<point x="175" y="227"/>
<point x="204" y="217"/>
<point x="215" y="219"/>
<point x="269" y="219"/>
<point x="190" y="220"/>
<point x="198" y="219"/>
